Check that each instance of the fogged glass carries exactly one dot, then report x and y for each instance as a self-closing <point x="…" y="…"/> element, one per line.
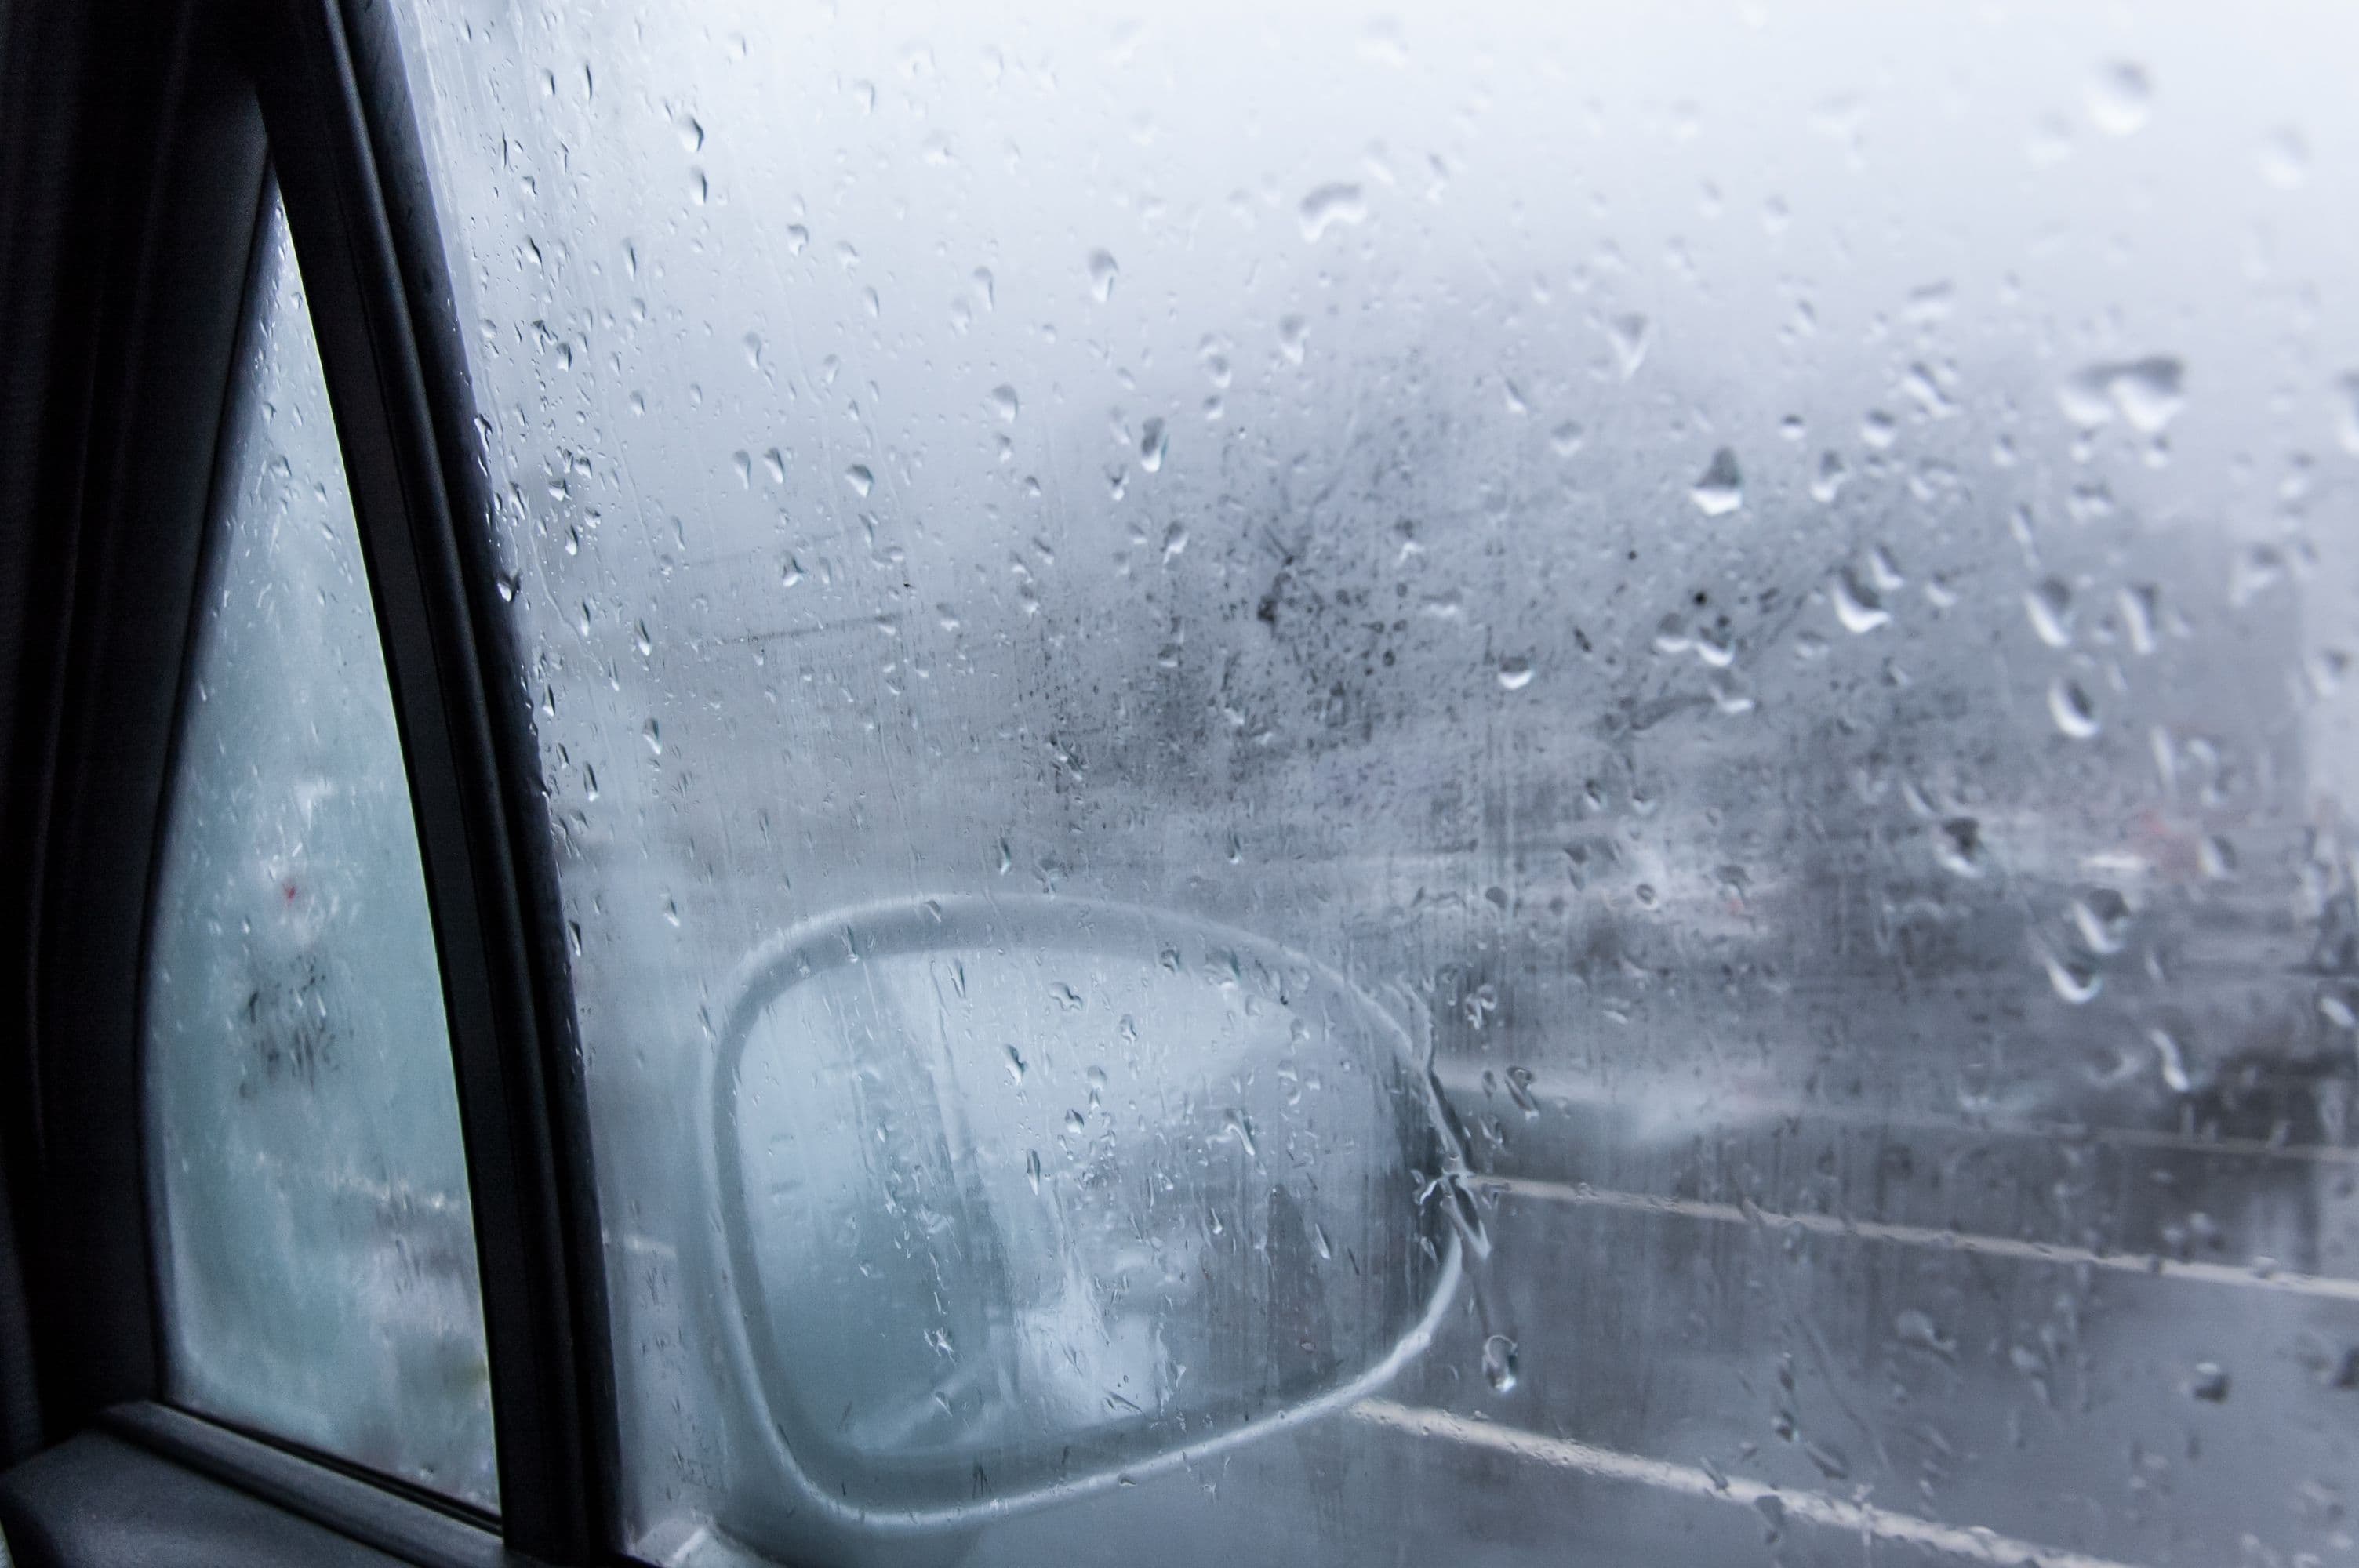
<point x="1444" y="784"/>
<point x="317" y="1251"/>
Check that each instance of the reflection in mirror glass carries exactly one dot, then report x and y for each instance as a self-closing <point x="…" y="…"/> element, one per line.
<point x="1001" y="1215"/>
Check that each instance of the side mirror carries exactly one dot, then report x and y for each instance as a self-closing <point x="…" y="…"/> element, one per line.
<point x="1019" y="1197"/>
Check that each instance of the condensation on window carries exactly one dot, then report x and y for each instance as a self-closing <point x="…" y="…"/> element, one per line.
<point x="1444" y="783"/>
<point x="317" y="1254"/>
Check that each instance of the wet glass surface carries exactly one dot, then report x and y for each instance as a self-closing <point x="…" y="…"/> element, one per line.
<point x="317" y="1274"/>
<point x="1768" y="587"/>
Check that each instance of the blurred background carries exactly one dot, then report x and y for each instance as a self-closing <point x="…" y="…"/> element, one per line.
<point x="1771" y="586"/>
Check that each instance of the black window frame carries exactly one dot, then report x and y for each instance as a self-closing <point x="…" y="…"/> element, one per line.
<point x="140" y="142"/>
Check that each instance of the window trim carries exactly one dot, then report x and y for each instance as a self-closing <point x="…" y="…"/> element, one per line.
<point x="167" y="120"/>
<point x="360" y="1504"/>
<point x="473" y="768"/>
<point x="129" y="457"/>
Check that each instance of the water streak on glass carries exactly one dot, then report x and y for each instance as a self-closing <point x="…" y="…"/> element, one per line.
<point x="1762" y="596"/>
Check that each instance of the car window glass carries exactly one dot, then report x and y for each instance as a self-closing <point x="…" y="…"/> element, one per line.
<point x="1407" y="783"/>
<point x="318" y="1268"/>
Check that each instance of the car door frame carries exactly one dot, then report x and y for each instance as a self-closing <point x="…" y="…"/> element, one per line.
<point x="139" y="147"/>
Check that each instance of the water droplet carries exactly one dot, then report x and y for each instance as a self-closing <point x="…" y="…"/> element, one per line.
<point x="1003" y="404"/>
<point x="2208" y="1382"/>
<point x="2167" y="1058"/>
<point x="1857" y="606"/>
<point x="1293" y="336"/>
<point x="1828" y="482"/>
<point x="2216" y="858"/>
<point x="2050" y="606"/>
<point x="1915" y="1330"/>
<point x="1381" y="41"/>
<point x="1499" y="1363"/>
<point x="691" y="134"/>
<point x="2285" y="157"/>
<point x="653" y="736"/>
<point x="2256" y="571"/>
<point x="797" y="238"/>
<point x="643" y="639"/>
<point x="861" y="481"/>
<point x="1330" y="205"/>
<point x="1015" y="1064"/>
<point x="2084" y="398"/>
<point x="2121" y="96"/>
<point x="2076" y="982"/>
<point x="1630" y="335"/>
<point x="1102" y="272"/>
<point x="1153" y="442"/>
<point x="1213" y="352"/>
<point x="2102" y="919"/>
<point x="1721" y="489"/>
<point x="1832" y="1461"/>
<point x="1883" y="572"/>
<point x="2073" y="710"/>
<point x="2346" y="412"/>
<point x="1175" y="542"/>
<point x="1515" y="673"/>
<point x="2149" y="392"/>
<point x="1958" y="845"/>
<point x="1567" y="439"/>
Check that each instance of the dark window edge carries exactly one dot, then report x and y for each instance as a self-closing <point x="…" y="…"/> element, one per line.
<point x="389" y="112"/>
<point x="137" y="327"/>
<point x="474" y="777"/>
<point x="170" y="162"/>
